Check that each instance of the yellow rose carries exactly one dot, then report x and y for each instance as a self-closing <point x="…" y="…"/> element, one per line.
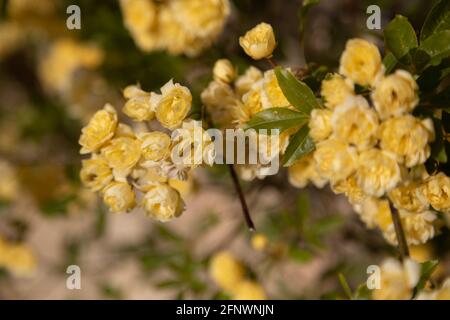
<point x="220" y="101"/>
<point x="396" y="95"/>
<point x="418" y="227"/>
<point x="272" y="95"/>
<point x="335" y="160"/>
<point x="202" y="18"/>
<point x="407" y="198"/>
<point x="259" y="42"/>
<point x="304" y="171"/>
<point x="397" y="280"/>
<point x="184" y="187"/>
<point x="17" y="258"/>
<point x="119" y="197"/>
<point x="174" y="105"/>
<point x="408" y="137"/>
<point x="226" y="271"/>
<point x="375" y="212"/>
<point x="95" y="173"/>
<point x="320" y="124"/>
<point x="163" y="203"/>
<point x="251" y="105"/>
<point x="350" y="188"/>
<point x="249" y="290"/>
<point x="244" y="83"/>
<point x="155" y="145"/>
<point x="354" y="122"/>
<point x="122" y="154"/>
<point x="124" y="131"/>
<point x="224" y="71"/>
<point x="138" y="106"/>
<point x="335" y="89"/>
<point x="99" y="130"/>
<point x="259" y="242"/>
<point x="436" y="191"/>
<point x="361" y="62"/>
<point x="139" y="15"/>
<point x="378" y="172"/>
<point x="146" y="178"/>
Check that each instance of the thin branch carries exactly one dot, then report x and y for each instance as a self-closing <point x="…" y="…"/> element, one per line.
<point x="237" y="186"/>
<point x="401" y="239"/>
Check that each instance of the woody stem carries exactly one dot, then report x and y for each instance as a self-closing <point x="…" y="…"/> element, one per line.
<point x="401" y="239"/>
<point x="237" y="186"/>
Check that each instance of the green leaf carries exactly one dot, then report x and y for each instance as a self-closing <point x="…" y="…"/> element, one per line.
<point x="300" y="255"/>
<point x="302" y="211"/>
<point x="426" y="270"/>
<point x="400" y="38"/>
<point x="295" y="91"/>
<point x="390" y="61"/>
<point x="363" y="293"/>
<point x="300" y="145"/>
<point x="276" y="118"/>
<point x="437" y="46"/>
<point x="304" y="10"/>
<point x="326" y="225"/>
<point x="345" y="286"/>
<point x="438" y="19"/>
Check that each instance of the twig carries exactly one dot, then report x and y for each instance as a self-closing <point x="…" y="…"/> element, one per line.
<point x="401" y="239"/>
<point x="237" y="186"/>
<point x="272" y="62"/>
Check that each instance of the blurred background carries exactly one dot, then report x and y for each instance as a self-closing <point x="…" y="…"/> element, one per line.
<point x="53" y="79"/>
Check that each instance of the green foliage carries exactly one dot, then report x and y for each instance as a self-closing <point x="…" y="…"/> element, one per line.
<point x="300" y="145"/>
<point x="437" y="47"/>
<point x="438" y="19"/>
<point x="400" y="38"/>
<point x="277" y="118"/>
<point x="426" y="270"/>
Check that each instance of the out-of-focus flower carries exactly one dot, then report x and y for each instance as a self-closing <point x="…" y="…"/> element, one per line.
<point x="95" y="173"/>
<point x="251" y="105"/>
<point x="17" y="258"/>
<point x="9" y="183"/>
<point x="335" y="90"/>
<point x="224" y="71"/>
<point x="138" y="106"/>
<point x="350" y="188"/>
<point x="173" y="105"/>
<point x="396" y="94"/>
<point x="436" y="191"/>
<point x="443" y="293"/>
<point x="249" y="290"/>
<point x="259" y="242"/>
<point x="335" y="160"/>
<point x="99" y="130"/>
<point x="304" y="171"/>
<point x="163" y="203"/>
<point x="375" y="213"/>
<point x="226" y="271"/>
<point x="11" y="37"/>
<point x="220" y="101"/>
<point x="378" y="172"/>
<point x="354" y="122"/>
<point x="361" y="62"/>
<point x="406" y="197"/>
<point x="155" y="145"/>
<point x="397" y="280"/>
<point x="119" y="197"/>
<point x="244" y="83"/>
<point x="421" y="253"/>
<point x="259" y="42"/>
<point x="272" y="95"/>
<point x="408" y="137"/>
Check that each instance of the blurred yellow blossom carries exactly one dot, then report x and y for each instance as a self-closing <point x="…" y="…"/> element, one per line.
<point x="9" y="182"/>
<point x="335" y="89"/>
<point x="224" y="71"/>
<point x="95" y="173"/>
<point x="304" y="171"/>
<point x="226" y="271"/>
<point x="436" y="191"/>
<point x="163" y="202"/>
<point x="138" y="106"/>
<point x="320" y="124"/>
<point x="17" y="258"/>
<point x="259" y="242"/>
<point x="249" y="290"/>
<point x="259" y="42"/>
<point x="119" y="197"/>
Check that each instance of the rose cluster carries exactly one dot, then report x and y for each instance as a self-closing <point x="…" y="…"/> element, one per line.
<point x="178" y="26"/>
<point x="370" y="147"/>
<point x="131" y="166"/>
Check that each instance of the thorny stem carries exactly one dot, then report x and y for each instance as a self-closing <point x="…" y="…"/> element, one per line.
<point x="401" y="239"/>
<point x="237" y="186"/>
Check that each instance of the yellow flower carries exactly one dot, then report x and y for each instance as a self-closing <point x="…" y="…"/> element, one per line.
<point x="226" y="271"/>
<point x="350" y="188"/>
<point x="163" y="203"/>
<point x="304" y="171"/>
<point x="421" y="253"/>
<point x="155" y="145"/>
<point x="251" y="105"/>
<point x="442" y="293"/>
<point x="95" y="173"/>
<point x="259" y="242"/>
<point x="17" y="258"/>
<point x="138" y="106"/>
<point x="320" y="124"/>
<point x="224" y="71"/>
<point x="378" y="172"/>
<point x="375" y="213"/>
<point x="259" y="42"/>
<point x="203" y="18"/>
<point x="397" y="280"/>
<point x="272" y="95"/>
<point x="244" y="83"/>
<point x="418" y="227"/>
<point x="139" y="15"/>
<point x="335" y="160"/>
<point x="220" y="101"/>
<point x="122" y="154"/>
<point x="184" y="187"/>
<point x="396" y="95"/>
<point x="354" y="122"/>
<point x="174" y="104"/>
<point x="361" y="62"/>
<point x="407" y="198"/>
<point x="99" y="130"/>
<point x="335" y="90"/>
<point x="146" y="178"/>
<point x="436" y="191"/>
<point x="119" y="197"/>
<point x="9" y="183"/>
<point x="408" y="137"/>
<point x="249" y="290"/>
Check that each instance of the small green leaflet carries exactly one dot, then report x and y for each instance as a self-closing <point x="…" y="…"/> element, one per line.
<point x="400" y="38"/>
<point x="277" y="118"/>
<point x="300" y="145"/>
<point x="438" y="19"/>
